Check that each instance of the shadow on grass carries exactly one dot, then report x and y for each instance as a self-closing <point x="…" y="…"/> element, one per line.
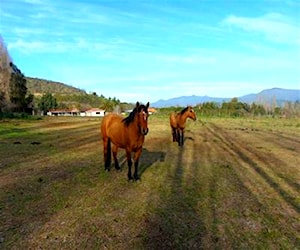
<point x="174" y="223"/>
<point x="148" y="158"/>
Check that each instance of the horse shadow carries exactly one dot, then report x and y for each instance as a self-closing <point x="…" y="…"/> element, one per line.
<point x="147" y="159"/>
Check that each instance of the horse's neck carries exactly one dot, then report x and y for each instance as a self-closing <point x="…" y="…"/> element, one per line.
<point x="134" y="127"/>
<point x="184" y="116"/>
<point x="182" y="119"/>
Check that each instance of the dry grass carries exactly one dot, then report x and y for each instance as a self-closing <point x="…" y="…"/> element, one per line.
<point x="234" y="184"/>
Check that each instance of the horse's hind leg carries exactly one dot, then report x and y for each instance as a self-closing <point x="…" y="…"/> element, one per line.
<point x="115" y="151"/>
<point x="174" y="134"/>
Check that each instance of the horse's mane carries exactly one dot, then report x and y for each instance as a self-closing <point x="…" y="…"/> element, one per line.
<point x="184" y="110"/>
<point x="130" y="118"/>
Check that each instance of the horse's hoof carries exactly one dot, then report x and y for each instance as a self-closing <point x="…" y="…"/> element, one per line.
<point x="107" y="170"/>
<point x="117" y="167"/>
<point x="130" y="180"/>
<point x="137" y="178"/>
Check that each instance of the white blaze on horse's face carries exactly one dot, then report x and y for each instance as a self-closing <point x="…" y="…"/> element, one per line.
<point x="145" y="115"/>
<point x="144" y="122"/>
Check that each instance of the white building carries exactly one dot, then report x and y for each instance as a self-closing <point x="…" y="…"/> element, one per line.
<point x="95" y="112"/>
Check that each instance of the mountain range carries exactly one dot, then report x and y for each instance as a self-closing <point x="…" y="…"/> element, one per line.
<point x="267" y="96"/>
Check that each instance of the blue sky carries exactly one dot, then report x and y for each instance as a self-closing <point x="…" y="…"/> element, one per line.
<point x="151" y="50"/>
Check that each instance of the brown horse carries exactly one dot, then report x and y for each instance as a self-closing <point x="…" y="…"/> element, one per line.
<point x="177" y="122"/>
<point x="128" y="133"/>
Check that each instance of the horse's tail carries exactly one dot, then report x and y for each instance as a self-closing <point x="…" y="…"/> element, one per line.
<point x="108" y="155"/>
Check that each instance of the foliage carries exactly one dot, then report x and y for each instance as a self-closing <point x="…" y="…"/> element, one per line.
<point x="18" y="89"/>
<point x="5" y="71"/>
<point x="40" y="86"/>
<point x="69" y="97"/>
<point x="13" y="89"/>
<point x="257" y="109"/>
<point x="47" y="102"/>
<point x="234" y="108"/>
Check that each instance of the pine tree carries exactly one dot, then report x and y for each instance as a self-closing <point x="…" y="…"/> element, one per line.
<point x="18" y="89"/>
<point x="5" y="72"/>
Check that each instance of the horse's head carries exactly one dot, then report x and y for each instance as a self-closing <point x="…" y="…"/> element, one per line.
<point x="142" y="117"/>
<point x="191" y="113"/>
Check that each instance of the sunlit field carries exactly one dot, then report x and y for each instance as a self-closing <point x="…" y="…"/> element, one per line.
<point x="235" y="184"/>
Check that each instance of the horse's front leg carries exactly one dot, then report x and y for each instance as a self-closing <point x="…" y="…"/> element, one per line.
<point x="136" y="164"/>
<point x="107" y="153"/>
<point x="129" y="162"/>
<point x="115" y="152"/>
<point x="180" y="137"/>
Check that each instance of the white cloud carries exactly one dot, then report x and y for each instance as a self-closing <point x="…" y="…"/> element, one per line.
<point x="21" y="32"/>
<point x="26" y="46"/>
<point x="275" y="27"/>
<point x="34" y="1"/>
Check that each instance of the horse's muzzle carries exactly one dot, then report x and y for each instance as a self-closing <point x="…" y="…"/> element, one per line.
<point x="144" y="131"/>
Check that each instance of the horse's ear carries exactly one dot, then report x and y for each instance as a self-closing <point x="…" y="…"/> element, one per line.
<point x="147" y="105"/>
<point x="137" y="104"/>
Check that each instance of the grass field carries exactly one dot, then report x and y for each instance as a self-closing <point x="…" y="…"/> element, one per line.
<point x="234" y="185"/>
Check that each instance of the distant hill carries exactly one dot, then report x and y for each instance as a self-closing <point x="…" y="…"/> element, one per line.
<point x="38" y="86"/>
<point x="187" y="100"/>
<point x="277" y="95"/>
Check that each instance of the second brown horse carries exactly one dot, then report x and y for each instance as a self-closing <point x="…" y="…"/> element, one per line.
<point x="177" y="123"/>
<point x="128" y="133"/>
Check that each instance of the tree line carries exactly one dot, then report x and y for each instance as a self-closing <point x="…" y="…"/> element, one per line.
<point x="80" y="102"/>
<point x="235" y="108"/>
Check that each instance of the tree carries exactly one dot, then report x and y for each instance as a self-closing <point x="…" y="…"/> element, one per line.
<point x="257" y="109"/>
<point x="5" y="72"/>
<point x="209" y="108"/>
<point x="2" y="100"/>
<point x="47" y="102"/>
<point x="18" y="89"/>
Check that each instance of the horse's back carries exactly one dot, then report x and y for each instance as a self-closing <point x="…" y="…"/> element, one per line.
<point x="113" y="127"/>
<point x="110" y="122"/>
